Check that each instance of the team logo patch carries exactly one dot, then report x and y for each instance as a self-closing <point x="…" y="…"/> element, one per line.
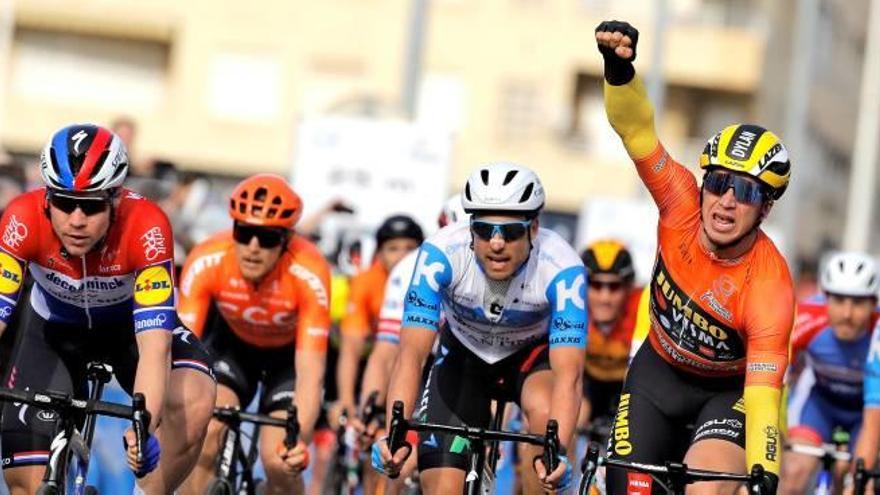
<point x="16" y="232"/>
<point x="10" y="274"/>
<point x="153" y="286"/>
<point x="154" y="244"/>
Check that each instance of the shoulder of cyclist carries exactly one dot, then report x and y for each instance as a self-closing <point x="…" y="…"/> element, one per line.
<point x="22" y="224"/>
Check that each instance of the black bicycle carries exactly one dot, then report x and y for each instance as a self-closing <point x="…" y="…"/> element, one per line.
<point x="344" y="477"/>
<point x="673" y="476"/>
<point x="480" y="468"/>
<point x="70" y="451"/>
<point x="234" y="474"/>
<point x="862" y="476"/>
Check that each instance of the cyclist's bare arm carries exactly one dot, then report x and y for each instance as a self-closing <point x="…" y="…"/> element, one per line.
<point x="868" y="443"/>
<point x="567" y="364"/>
<point x="154" y="365"/>
<point x="350" y="350"/>
<point x="415" y="346"/>
<point x="378" y="370"/>
<point x="309" y="384"/>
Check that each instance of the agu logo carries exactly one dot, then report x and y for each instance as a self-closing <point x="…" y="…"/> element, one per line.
<point x="152" y="286"/>
<point x="10" y="274"/>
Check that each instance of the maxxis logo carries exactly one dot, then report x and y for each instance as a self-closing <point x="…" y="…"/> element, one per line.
<point x="15" y="233"/>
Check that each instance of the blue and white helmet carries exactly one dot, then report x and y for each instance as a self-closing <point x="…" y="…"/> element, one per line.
<point x="84" y="158"/>
<point x="503" y="187"/>
<point x="850" y="274"/>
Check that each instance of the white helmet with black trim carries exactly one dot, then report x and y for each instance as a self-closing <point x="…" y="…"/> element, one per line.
<point x="452" y="212"/>
<point x="850" y="274"/>
<point x="503" y="187"/>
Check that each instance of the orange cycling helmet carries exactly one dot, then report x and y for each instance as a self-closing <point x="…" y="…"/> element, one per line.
<point x="265" y="200"/>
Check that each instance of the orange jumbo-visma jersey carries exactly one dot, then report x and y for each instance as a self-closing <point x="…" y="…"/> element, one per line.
<point x="290" y="304"/>
<point x="366" y="295"/>
<point x="712" y="316"/>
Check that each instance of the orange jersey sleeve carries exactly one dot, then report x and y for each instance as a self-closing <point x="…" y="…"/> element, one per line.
<point x="312" y="272"/>
<point x="197" y="281"/>
<point x="770" y="316"/>
<point x="364" y="302"/>
<point x="673" y="187"/>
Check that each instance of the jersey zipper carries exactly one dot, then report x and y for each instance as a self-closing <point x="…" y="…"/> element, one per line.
<point x="84" y="296"/>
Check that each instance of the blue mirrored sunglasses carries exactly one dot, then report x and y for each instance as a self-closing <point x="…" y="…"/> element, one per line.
<point x="509" y="231"/>
<point x="745" y="190"/>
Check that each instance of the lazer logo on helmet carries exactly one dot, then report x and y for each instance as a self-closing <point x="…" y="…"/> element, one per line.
<point x="10" y="274"/>
<point x="153" y="286"/>
<point x="688" y="325"/>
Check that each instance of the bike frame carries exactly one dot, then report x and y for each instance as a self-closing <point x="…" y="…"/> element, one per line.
<point x="478" y="437"/>
<point x="233" y="453"/>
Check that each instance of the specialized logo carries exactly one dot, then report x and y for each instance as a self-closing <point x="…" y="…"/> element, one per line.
<point x="622" y="445"/>
<point x="573" y="293"/>
<point x="153" y="286"/>
<point x="314" y="283"/>
<point x="10" y="274"/>
<point x="77" y="139"/>
<point x="691" y="328"/>
<point x="154" y="244"/>
<point x="427" y="271"/>
<point x="15" y="233"/>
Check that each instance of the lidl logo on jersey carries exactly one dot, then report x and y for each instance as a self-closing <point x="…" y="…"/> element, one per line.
<point x="153" y="286"/>
<point x="10" y="274"/>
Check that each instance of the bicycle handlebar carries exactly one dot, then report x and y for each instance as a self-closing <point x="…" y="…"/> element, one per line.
<point x="290" y="423"/>
<point x="61" y="401"/>
<point x="400" y="426"/>
<point x="822" y="451"/>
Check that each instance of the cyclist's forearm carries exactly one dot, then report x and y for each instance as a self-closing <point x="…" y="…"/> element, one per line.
<point x="763" y="438"/>
<point x="350" y="349"/>
<point x="868" y="443"/>
<point x="377" y="371"/>
<point x="2" y="328"/>
<point x="405" y="378"/>
<point x="309" y="383"/>
<point x="153" y="371"/>
<point x="632" y="117"/>
<point x="566" y="402"/>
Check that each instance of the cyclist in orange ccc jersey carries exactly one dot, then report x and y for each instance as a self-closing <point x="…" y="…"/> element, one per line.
<point x="270" y="293"/>
<point x="722" y="301"/>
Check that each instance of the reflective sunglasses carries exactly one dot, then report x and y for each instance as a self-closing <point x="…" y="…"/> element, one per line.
<point x="89" y="206"/>
<point x="612" y="286"/>
<point x="509" y="231"/>
<point x="267" y="237"/>
<point x="745" y="190"/>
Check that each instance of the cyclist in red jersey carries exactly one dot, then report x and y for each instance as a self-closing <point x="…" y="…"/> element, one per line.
<point x="269" y="290"/>
<point x="721" y="303"/>
<point x="102" y="262"/>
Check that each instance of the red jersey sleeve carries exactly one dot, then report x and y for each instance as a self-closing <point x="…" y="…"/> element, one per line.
<point x="150" y="248"/>
<point x="20" y="227"/>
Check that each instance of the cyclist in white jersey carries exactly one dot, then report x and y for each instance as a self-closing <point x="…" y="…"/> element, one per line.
<point x="516" y="321"/>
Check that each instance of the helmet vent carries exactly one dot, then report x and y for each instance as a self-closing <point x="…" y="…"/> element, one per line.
<point x="467" y="191"/>
<point x="287" y="213"/>
<point x="527" y="192"/>
<point x="484" y="175"/>
<point x="509" y="177"/>
<point x="859" y="268"/>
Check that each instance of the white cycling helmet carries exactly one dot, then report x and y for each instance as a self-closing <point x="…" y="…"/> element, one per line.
<point x="84" y="158"/>
<point x="503" y="187"/>
<point x="452" y="212"/>
<point x="850" y="274"/>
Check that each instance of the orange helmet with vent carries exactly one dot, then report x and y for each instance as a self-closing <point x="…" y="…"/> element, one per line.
<point x="265" y="200"/>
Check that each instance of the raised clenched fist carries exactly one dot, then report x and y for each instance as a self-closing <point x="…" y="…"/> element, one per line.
<point x="617" y="39"/>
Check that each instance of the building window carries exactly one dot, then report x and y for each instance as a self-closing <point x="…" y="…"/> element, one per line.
<point x="519" y="111"/>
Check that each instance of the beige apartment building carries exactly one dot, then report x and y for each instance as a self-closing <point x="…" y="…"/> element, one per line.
<point x="221" y="86"/>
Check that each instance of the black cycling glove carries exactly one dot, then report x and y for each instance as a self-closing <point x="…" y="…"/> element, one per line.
<point x="617" y="70"/>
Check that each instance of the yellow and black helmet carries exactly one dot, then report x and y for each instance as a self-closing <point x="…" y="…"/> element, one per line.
<point x="609" y="256"/>
<point x="752" y="150"/>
